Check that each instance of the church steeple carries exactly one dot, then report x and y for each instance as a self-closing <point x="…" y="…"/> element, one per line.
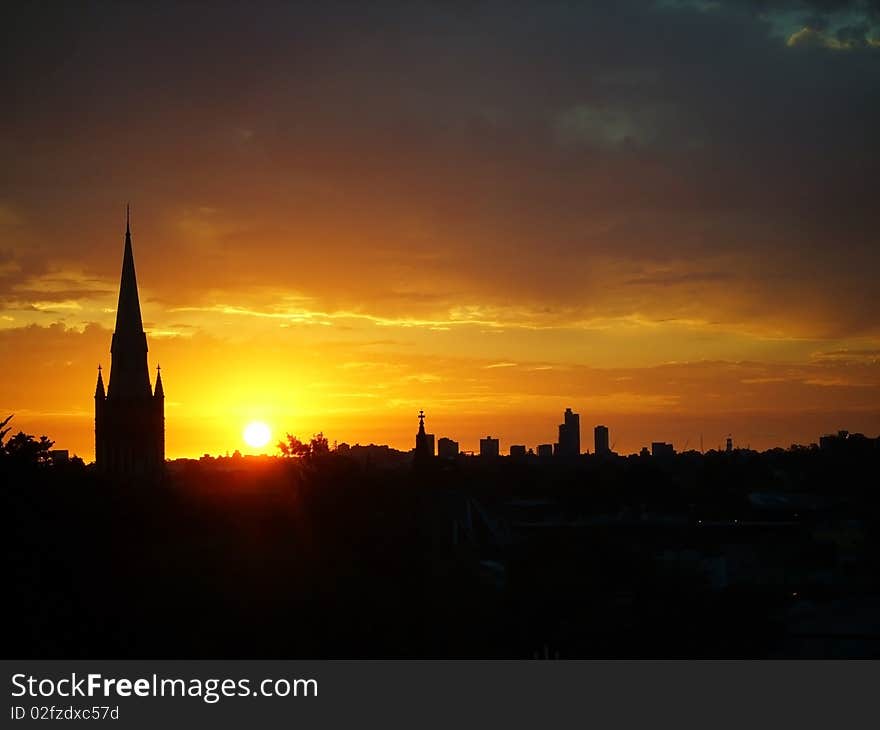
<point x="160" y="391"/>
<point x="99" y="388"/>
<point x="129" y="376"/>
<point x="130" y="418"/>
<point x="424" y="442"/>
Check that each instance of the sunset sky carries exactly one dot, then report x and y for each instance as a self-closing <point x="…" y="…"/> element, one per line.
<point x="664" y="215"/>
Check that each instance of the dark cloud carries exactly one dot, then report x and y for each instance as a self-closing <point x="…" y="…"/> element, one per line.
<point x="520" y="144"/>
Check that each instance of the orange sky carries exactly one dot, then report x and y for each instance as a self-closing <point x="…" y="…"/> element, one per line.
<point x="362" y="378"/>
<point x="339" y="221"/>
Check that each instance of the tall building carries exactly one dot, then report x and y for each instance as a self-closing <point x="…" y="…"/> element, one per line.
<point x="424" y="441"/>
<point x="545" y="451"/>
<point x="489" y="447"/>
<point x="447" y="448"/>
<point x="517" y="451"/>
<point x="130" y="416"/>
<point x="600" y="441"/>
<point x="569" y="435"/>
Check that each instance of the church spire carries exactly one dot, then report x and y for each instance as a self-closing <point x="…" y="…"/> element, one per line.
<point x="99" y="388"/>
<point x="160" y="391"/>
<point x="129" y="377"/>
<point x="128" y="313"/>
<point x="130" y="419"/>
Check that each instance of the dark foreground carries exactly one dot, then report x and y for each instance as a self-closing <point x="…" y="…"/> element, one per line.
<point x="722" y="555"/>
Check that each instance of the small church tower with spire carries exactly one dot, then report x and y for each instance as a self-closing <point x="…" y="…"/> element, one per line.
<point x="424" y="442"/>
<point x="130" y="416"/>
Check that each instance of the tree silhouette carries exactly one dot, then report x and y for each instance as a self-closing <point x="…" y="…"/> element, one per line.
<point x="293" y="448"/>
<point x="23" y="449"/>
<point x="296" y="449"/>
<point x="319" y="445"/>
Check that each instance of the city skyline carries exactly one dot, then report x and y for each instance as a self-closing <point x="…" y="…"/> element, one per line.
<point x="667" y="223"/>
<point x="128" y="293"/>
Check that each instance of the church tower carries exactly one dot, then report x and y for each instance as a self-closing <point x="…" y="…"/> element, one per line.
<point x="424" y="442"/>
<point x="130" y="416"/>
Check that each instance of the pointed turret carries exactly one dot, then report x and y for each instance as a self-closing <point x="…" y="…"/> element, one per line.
<point x="99" y="388"/>
<point x="129" y="376"/>
<point x="160" y="391"/>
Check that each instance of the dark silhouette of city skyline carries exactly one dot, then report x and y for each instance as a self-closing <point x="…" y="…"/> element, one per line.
<point x="722" y="554"/>
<point x="130" y="420"/>
<point x="545" y="551"/>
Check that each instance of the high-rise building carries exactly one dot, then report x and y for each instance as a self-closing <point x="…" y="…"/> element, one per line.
<point x="600" y="441"/>
<point x="569" y="435"/>
<point x="447" y="448"/>
<point x="517" y="451"/>
<point x="489" y="447"/>
<point x="130" y="416"/>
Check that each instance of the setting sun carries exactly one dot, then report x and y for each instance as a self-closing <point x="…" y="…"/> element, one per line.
<point x="257" y="434"/>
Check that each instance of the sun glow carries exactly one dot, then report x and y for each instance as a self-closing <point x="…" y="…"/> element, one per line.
<point x="257" y="434"/>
